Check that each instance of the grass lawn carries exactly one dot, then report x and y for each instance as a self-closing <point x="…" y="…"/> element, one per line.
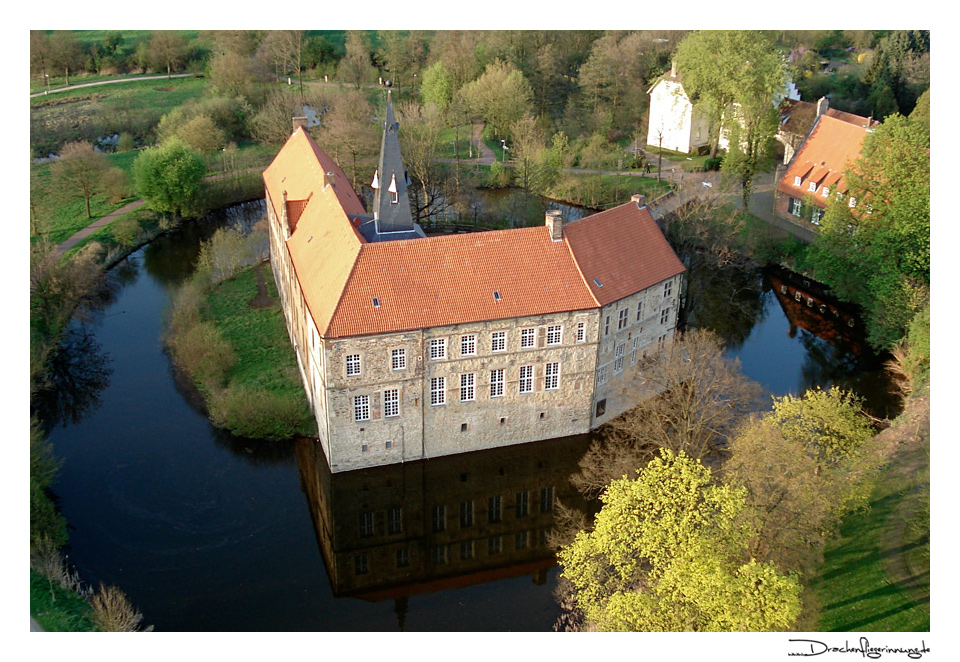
<point x="876" y="576"/>
<point x="447" y="139"/>
<point x="57" y="609"/>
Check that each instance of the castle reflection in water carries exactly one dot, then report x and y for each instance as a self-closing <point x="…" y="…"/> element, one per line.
<point x="401" y="530"/>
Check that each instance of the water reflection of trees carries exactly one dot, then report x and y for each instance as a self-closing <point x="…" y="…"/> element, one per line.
<point x="77" y="374"/>
<point x="258" y="452"/>
<point x="728" y="300"/>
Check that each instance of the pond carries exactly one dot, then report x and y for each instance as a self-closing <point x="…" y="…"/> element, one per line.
<point x="206" y="531"/>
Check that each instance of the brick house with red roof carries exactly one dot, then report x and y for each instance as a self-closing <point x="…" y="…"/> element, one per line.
<point x="413" y="347"/>
<point x="815" y="174"/>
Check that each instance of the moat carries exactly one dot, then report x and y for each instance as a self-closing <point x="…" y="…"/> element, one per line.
<point x="205" y="531"/>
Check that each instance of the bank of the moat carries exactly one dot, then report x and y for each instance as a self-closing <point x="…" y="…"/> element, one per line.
<point x="207" y="531"/>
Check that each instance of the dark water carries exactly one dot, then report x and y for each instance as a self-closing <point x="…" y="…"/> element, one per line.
<point x="206" y="531"/>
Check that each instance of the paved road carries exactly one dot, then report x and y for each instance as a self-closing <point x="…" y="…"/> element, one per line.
<point x="108" y="82"/>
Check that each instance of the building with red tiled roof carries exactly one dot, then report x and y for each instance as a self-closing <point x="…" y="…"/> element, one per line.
<point x="815" y="174"/>
<point x="413" y="347"/>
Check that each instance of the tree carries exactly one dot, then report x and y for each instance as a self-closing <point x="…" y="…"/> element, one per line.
<point x="169" y="177"/>
<point x="403" y="54"/>
<point x="501" y="96"/>
<point x="803" y="466"/>
<point x="80" y="171"/>
<point x="437" y="86"/>
<point x="348" y="129"/>
<point x="721" y="68"/>
<point x="420" y="128"/>
<point x="202" y="134"/>
<point x="66" y="53"/>
<point x="235" y="75"/>
<point x="668" y="554"/>
<point x="355" y="67"/>
<point x="167" y="50"/>
<point x="876" y="253"/>
<point x="692" y="398"/>
<point x="41" y="52"/>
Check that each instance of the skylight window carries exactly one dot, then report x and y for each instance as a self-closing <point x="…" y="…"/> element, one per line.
<point x="496" y="295"/>
<point x="376" y="302"/>
<point x="597" y="281"/>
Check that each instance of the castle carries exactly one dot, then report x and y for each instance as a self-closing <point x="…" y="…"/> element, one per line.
<point x="413" y="347"/>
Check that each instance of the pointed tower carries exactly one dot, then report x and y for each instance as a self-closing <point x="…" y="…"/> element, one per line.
<point x="391" y="206"/>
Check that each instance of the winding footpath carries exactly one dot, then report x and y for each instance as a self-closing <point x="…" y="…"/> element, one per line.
<point x="66" y="88"/>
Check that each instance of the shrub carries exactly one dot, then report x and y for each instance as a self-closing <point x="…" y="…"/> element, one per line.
<point x="202" y="353"/>
<point x="117" y="185"/>
<point x="259" y="414"/>
<point x="112" y="612"/>
<point x="126" y="143"/>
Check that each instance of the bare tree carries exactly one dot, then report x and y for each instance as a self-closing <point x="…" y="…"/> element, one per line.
<point x="168" y="49"/>
<point x="348" y="129"/>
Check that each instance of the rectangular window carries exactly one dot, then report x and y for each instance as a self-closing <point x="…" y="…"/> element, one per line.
<point x="526" y="378"/>
<point x="554" y="335"/>
<point x="494" y="545"/>
<point x="361" y="408"/>
<point x="440" y="554"/>
<point x="361" y="564"/>
<point x="581" y="332"/>
<point x="366" y="525"/>
<point x="466" y="550"/>
<point x="852" y="202"/>
<point x="496" y="383"/>
<point x="494" y="512"/>
<point x="618" y="359"/>
<point x="817" y="215"/>
<point x="466" y="514"/>
<point x="438" y="390"/>
<point x="606" y="326"/>
<point x="521" y="539"/>
<point x="622" y="319"/>
<point x="391" y="402"/>
<point x="439" y="519"/>
<point x="633" y="351"/>
<point x="353" y="365"/>
<point x="468" y="345"/>
<point x="398" y="359"/>
<point x="826" y="191"/>
<point x="546" y="499"/>
<point x="438" y="349"/>
<point x="552" y="380"/>
<point x="466" y="387"/>
<point x="667" y="289"/>
<point x="797" y="181"/>
<point x="639" y="311"/>
<point x="527" y="337"/>
<point x="395" y="520"/>
<point x="796" y="207"/>
<point x="665" y="315"/>
<point x="403" y="557"/>
<point x="602" y="375"/>
<point x="812" y="187"/>
<point x="523" y="504"/>
<point x="498" y="342"/>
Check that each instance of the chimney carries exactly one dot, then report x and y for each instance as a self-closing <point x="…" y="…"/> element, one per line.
<point x="298" y="122"/>
<point x="639" y="199"/>
<point x="673" y="68"/>
<point x="555" y="224"/>
<point x="329" y="179"/>
<point x="822" y="106"/>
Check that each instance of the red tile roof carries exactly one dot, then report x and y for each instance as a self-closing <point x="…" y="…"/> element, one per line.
<point x="823" y="158"/>
<point x="623" y="249"/>
<point x="447" y="280"/>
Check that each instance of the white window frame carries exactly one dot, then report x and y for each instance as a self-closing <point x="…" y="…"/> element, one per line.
<point x="468" y="345"/>
<point x="468" y="392"/>
<point x="552" y="378"/>
<point x="391" y="402"/>
<point x="554" y="334"/>
<point x="622" y="318"/>
<point x="496" y="383"/>
<point x="361" y="408"/>
<point x="398" y="359"/>
<point x="438" y="349"/>
<point x="826" y="191"/>
<point x="528" y="338"/>
<point x="498" y="341"/>
<point x="602" y="375"/>
<point x="618" y="359"/>
<point x="816" y="215"/>
<point x="438" y="391"/>
<point x="852" y="202"/>
<point x="797" y="181"/>
<point x="526" y="379"/>
<point x="353" y="365"/>
<point x="796" y="207"/>
<point x="581" y="331"/>
<point x="813" y="187"/>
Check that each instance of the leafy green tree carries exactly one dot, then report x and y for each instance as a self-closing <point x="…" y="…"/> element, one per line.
<point x="80" y="171"/>
<point x="437" y="87"/>
<point x="500" y="96"/>
<point x="668" y="553"/>
<point x="235" y="75"/>
<point x="168" y="50"/>
<point x="721" y="68"/>
<point x="169" y="177"/>
<point x="202" y="134"/>
<point x="876" y="253"/>
<point x="803" y="466"/>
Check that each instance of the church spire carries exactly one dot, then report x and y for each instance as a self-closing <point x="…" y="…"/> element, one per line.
<point x="391" y="206"/>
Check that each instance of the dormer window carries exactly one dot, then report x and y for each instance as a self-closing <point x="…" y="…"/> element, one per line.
<point x="813" y="186"/>
<point x="852" y="203"/>
<point x="826" y="191"/>
<point x="797" y="181"/>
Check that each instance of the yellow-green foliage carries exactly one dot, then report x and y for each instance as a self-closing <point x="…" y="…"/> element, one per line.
<point x="829" y="423"/>
<point x="668" y="554"/>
